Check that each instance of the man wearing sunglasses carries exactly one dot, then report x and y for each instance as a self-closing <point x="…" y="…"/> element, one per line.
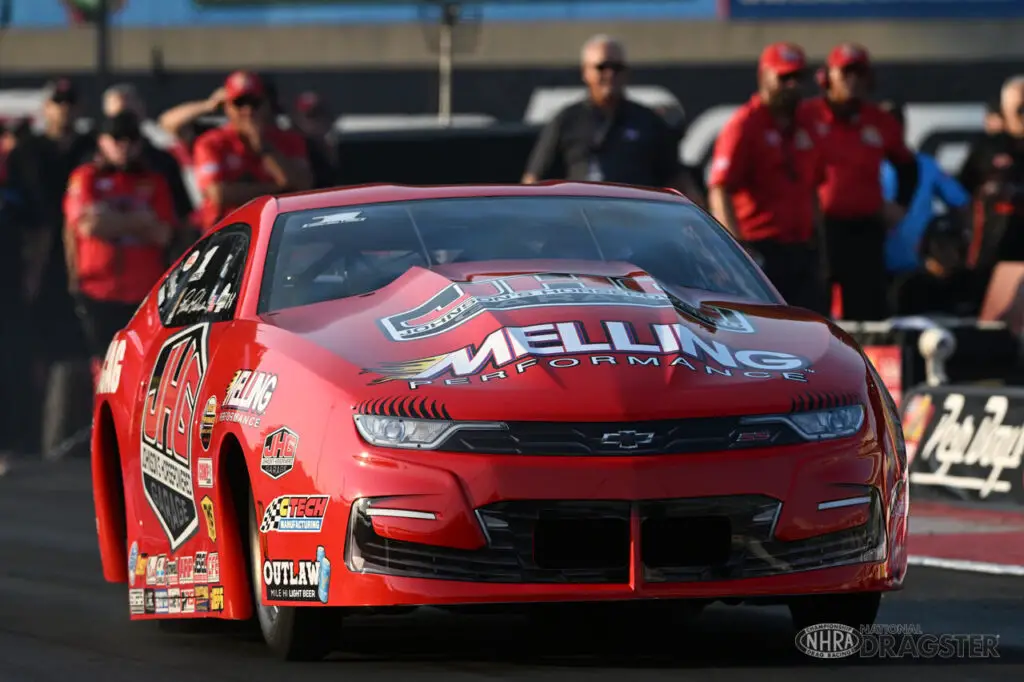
<point x="249" y="156"/>
<point x="607" y="137"/>
<point x="764" y="174"/>
<point x="119" y="220"/>
<point x="856" y="136"/>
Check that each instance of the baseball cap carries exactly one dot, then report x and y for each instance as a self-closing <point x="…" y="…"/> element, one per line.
<point x="61" y="90"/>
<point x="122" y="126"/>
<point x="242" y="84"/>
<point x="783" y="59"/>
<point x="848" y="54"/>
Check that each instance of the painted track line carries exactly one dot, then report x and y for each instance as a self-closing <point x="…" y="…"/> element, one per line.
<point x="965" y="565"/>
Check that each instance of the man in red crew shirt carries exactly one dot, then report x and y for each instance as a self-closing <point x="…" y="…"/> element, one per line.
<point x="856" y="136"/>
<point x="119" y="218"/>
<point x="764" y="173"/>
<point x="249" y="156"/>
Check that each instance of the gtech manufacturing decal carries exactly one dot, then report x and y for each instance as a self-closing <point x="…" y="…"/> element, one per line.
<point x="166" y="433"/>
<point x="295" y="514"/>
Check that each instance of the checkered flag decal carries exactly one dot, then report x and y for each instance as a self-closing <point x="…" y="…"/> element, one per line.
<point x="271" y="517"/>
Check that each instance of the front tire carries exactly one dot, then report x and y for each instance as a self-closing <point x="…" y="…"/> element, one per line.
<point x="292" y="633"/>
<point x="854" y="610"/>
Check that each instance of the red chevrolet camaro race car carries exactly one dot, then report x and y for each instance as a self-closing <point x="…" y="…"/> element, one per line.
<point x="388" y="396"/>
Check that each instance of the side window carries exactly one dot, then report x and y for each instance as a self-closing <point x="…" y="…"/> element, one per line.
<point x="204" y="287"/>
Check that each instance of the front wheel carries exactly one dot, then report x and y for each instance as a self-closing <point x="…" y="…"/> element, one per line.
<point x="291" y="633"/>
<point x="853" y="610"/>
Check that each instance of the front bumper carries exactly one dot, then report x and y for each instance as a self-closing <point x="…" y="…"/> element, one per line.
<point x="497" y="529"/>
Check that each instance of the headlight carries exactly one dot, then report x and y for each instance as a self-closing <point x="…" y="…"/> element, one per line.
<point x="416" y="434"/>
<point x="837" y="422"/>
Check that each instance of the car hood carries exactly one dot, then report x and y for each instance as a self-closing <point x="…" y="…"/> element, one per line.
<point x="589" y="341"/>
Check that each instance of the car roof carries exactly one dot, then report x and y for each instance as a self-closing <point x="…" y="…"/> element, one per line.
<point x="379" y="193"/>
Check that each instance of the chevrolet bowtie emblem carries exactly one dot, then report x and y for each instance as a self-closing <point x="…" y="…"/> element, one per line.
<point x="627" y="440"/>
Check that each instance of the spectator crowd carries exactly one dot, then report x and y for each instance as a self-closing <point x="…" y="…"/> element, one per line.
<point x="822" y="191"/>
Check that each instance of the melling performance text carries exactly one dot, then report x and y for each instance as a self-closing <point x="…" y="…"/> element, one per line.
<point x="513" y="350"/>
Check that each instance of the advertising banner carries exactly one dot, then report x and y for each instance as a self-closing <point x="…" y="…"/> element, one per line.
<point x="965" y="443"/>
<point x="875" y="9"/>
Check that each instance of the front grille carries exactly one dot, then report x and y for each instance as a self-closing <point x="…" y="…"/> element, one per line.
<point x="512" y="530"/>
<point x="588" y="542"/>
<point x="676" y="436"/>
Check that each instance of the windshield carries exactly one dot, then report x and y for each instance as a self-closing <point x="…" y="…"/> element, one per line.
<point x="325" y="254"/>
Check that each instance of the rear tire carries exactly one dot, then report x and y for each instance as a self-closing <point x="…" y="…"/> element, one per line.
<point x="853" y="610"/>
<point x="292" y="633"/>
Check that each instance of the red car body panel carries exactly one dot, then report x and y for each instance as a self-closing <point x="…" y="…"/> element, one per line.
<point x="313" y="367"/>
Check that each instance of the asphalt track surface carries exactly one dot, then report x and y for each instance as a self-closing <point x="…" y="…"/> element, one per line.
<point x="60" y="622"/>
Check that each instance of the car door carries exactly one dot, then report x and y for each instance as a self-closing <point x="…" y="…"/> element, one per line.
<point x="195" y="303"/>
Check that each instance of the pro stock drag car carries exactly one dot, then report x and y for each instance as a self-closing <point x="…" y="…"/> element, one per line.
<point x="389" y="396"/>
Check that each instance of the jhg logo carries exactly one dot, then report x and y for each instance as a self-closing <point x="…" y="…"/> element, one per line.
<point x="834" y="640"/>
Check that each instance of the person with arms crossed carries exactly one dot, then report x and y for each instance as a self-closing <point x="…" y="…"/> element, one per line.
<point x="856" y="136"/>
<point x="119" y="220"/>
<point x="764" y="172"/>
<point x="249" y="156"/>
<point x="607" y="137"/>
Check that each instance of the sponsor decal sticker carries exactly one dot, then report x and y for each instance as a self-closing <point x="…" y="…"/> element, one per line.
<point x="142" y="567"/>
<point x="174" y="600"/>
<point x="186" y="570"/>
<point x="188" y="600"/>
<point x="133" y="563"/>
<point x="509" y="351"/>
<point x="202" y="599"/>
<point x="172" y="572"/>
<point x="161" y="570"/>
<point x="151" y="571"/>
<point x="167" y="422"/>
<point x="248" y="397"/>
<point x="149" y="607"/>
<point x="110" y="375"/>
<point x="201" y="571"/>
<point x="459" y="303"/>
<point x="161" y="601"/>
<point x="206" y="425"/>
<point x="217" y="598"/>
<point x="295" y="514"/>
<point x="279" y="450"/>
<point x="213" y="567"/>
<point x="204" y="472"/>
<point x="211" y="520"/>
<point x="136" y="602"/>
<point x="298" y="580"/>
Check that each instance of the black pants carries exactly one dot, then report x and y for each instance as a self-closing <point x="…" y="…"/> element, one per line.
<point x="855" y="251"/>
<point x="795" y="270"/>
<point x="101" y="320"/>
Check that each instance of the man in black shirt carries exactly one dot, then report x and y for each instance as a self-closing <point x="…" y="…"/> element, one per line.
<point x="38" y="170"/>
<point x="608" y="138"/>
<point x="943" y="286"/>
<point x="994" y="175"/>
<point x="315" y="122"/>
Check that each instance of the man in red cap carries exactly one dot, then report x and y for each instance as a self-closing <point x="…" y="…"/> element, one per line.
<point x="314" y="121"/>
<point x="764" y="173"/>
<point x="856" y="136"/>
<point x="249" y="156"/>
